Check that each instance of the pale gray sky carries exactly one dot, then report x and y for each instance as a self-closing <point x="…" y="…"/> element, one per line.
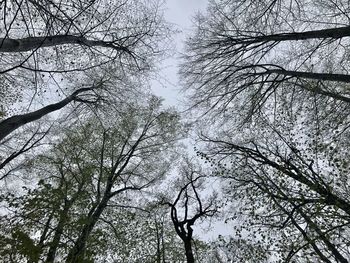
<point x="180" y="13"/>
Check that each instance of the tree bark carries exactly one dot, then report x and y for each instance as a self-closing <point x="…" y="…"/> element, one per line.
<point x="10" y="45"/>
<point x="334" y="33"/>
<point x="10" y="124"/>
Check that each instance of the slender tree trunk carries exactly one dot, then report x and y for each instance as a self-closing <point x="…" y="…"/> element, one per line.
<point x="33" y="43"/>
<point x="10" y="124"/>
<point x="46" y="230"/>
<point x="58" y="233"/>
<point x="163" y="244"/>
<point x="158" y="242"/>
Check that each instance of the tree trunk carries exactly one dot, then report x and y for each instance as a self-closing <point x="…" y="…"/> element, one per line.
<point x="188" y="250"/>
<point x="309" y="75"/>
<point x="10" y="124"/>
<point x="334" y="33"/>
<point x="10" y="45"/>
<point x="45" y="231"/>
<point x="158" y="242"/>
<point x="58" y="233"/>
<point x="76" y="254"/>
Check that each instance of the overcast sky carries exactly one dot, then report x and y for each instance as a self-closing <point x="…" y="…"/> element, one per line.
<point x="180" y="13"/>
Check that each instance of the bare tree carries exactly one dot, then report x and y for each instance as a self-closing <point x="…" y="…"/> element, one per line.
<point x="189" y="207"/>
<point x="231" y="57"/>
<point x="271" y="77"/>
<point x="45" y="44"/>
<point x="80" y="50"/>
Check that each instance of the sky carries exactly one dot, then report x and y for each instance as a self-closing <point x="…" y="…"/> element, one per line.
<point x="180" y="13"/>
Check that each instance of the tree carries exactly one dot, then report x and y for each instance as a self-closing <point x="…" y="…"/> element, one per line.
<point x="238" y="54"/>
<point x="101" y="31"/>
<point x="34" y="141"/>
<point x="90" y="53"/>
<point x="91" y="172"/>
<point x="149" y="237"/>
<point x="46" y="45"/>
<point x="284" y="193"/>
<point x="274" y="76"/>
<point x="189" y="207"/>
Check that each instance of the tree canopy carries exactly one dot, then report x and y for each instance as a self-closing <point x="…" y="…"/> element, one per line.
<point x="95" y="168"/>
<point x="272" y="78"/>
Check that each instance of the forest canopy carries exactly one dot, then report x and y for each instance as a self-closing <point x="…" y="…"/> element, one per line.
<point x="95" y="167"/>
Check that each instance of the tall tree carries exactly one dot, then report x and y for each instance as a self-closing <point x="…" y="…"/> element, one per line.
<point x="240" y="54"/>
<point x="272" y="80"/>
<point x="46" y="45"/>
<point x="71" y="55"/>
<point x="92" y="171"/>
